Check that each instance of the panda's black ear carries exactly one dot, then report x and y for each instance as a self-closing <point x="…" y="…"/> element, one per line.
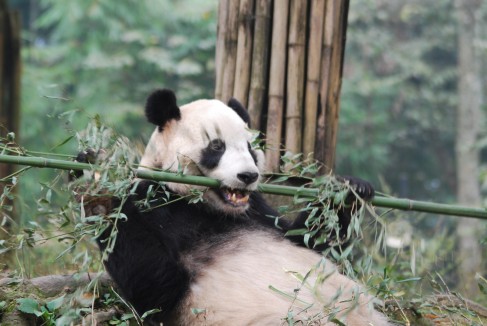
<point x="161" y="107"/>
<point x="239" y="108"/>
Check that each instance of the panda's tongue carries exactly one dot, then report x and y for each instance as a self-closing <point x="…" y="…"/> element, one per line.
<point x="236" y="197"/>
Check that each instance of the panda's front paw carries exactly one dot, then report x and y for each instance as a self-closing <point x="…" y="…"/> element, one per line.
<point x="89" y="156"/>
<point x="362" y="188"/>
<point x="86" y="156"/>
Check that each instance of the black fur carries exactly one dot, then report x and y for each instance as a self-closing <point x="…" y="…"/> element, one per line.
<point x="212" y="154"/>
<point x="146" y="261"/>
<point x="161" y="107"/>
<point x="239" y="108"/>
<point x="252" y="153"/>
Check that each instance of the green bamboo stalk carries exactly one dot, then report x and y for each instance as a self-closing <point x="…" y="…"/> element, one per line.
<point x="378" y="201"/>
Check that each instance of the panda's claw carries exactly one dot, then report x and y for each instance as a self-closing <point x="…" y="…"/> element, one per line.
<point x="362" y="188"/>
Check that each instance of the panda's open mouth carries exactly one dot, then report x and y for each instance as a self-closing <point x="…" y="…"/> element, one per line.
<point x="235" y="197"/>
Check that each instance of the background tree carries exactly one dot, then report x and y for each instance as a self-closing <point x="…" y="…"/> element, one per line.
<point x="470" y="123"/>
<point x="399" y="103"/>
<point x="10" y="68"/>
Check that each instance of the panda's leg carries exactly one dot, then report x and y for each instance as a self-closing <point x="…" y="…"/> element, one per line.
<point x="143" y="263"/>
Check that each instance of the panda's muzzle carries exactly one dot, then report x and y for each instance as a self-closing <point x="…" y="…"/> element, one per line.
<point x="235" y="197"/>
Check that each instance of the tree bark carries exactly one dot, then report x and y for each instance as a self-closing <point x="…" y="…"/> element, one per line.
<point x="469" y="126"/>
<point x="10" y="69"/>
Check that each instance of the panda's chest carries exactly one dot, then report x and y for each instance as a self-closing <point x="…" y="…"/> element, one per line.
<point x="197" y="234"/>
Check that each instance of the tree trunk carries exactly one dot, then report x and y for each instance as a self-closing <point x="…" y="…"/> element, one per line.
<point x="9" y="100"/>
<point x="469" y="127"/>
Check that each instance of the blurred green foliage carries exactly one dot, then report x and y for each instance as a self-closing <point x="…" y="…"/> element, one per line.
<point x="399" y="96"/>
<point x="84" y="59"/>
<point x="398" y="124"/>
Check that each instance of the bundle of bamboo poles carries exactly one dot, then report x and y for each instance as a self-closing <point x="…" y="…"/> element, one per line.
<point x="283" y="60"/>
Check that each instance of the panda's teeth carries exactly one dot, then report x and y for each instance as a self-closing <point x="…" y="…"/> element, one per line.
<point x="236" y="197"/>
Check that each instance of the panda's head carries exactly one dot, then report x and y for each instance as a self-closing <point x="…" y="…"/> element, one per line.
<point x="205" y="137"/>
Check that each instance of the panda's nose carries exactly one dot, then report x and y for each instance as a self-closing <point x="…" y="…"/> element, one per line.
<point x="248" y="177"/>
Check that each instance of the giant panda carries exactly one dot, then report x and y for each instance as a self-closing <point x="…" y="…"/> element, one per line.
<point x="221" y="260"/>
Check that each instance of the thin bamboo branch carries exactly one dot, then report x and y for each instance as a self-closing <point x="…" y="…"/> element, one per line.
<point x="386" y="202"/>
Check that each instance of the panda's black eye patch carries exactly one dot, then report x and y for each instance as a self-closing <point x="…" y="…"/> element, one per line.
<point x="252" y="153"/>
<point x="211" y="155"/>
<point x="217" y="145"/>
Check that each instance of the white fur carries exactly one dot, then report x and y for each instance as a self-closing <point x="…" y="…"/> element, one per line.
<point x="236" y="288"/>
<point x="179" y="146"/>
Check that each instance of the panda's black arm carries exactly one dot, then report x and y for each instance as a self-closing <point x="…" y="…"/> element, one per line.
<point x="362" y="189"/>
<point x="266" y="215"/>
<point x="144" y="263"/>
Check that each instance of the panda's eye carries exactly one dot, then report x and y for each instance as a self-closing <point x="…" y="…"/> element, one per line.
<point x="217" y="145"/>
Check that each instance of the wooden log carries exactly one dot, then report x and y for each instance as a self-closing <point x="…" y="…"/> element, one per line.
<point x="260" y="62"/>
<point x="277" y="78"/>
<point x="220" y="46"/>
<point x="230" y="58"/>
<point x="244" y="51"/>
<point x="315" y="42"/>
<point x="295" y="74"/>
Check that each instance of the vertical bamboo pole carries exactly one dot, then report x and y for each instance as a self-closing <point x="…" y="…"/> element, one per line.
<point x="313" y="75"/>
<point x="260" y="62"/>
<point x="277" y="77"/>
<point x="325" y="81"/>
<point x="220" y="46"/>
<point x="295" y="74"/>
<point x="336" y="68"/>
<point x="244" y="51"/>
<point x="229" y="60"/>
